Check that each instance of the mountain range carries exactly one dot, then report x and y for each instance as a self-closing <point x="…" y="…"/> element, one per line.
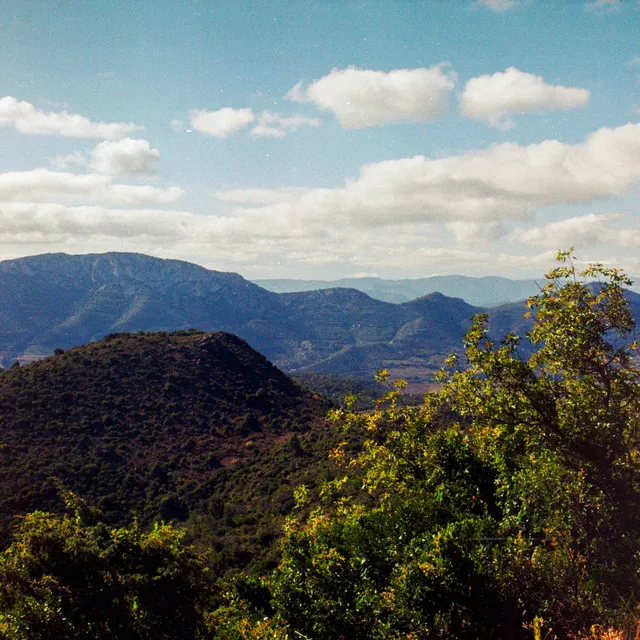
<point x="489" y="291"/>
<point x="56" y="301"/>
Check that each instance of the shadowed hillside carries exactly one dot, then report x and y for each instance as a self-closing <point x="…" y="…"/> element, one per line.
<point x="156" y="424"/>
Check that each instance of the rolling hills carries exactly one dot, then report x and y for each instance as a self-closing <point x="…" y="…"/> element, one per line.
<point x="58" y="301"/>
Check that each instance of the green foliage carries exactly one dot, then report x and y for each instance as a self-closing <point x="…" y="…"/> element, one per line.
<point x="363" y="392"/>
<point x="521" y="510"/>
<point x="507" y="504"/>
<point x="65" y="578"/>
<point x="157" y="424"/>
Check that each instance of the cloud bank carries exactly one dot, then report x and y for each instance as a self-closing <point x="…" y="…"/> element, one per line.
<point x="505" y="182"/>
<point x="42" y="185"/>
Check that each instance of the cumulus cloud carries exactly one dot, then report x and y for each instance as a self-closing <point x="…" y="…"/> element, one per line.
<point x="124" y="157"/>
<point x="275" y="125"/>
<point x="362" y="98"/>
<point x="494" y="98"/>
<point x="504" y="182"/>
<point x="222" y="122"/>
<point x="24" y="117"/>
<point x="42" y="185"/>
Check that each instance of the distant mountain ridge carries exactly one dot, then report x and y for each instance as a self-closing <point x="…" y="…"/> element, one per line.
<point x="489" y="291"/>
<point x="59" y="301"/>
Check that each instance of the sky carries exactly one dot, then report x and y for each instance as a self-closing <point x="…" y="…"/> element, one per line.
<point x="323" y="138"/>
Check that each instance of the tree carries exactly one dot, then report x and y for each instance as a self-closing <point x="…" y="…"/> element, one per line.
<point x="511" y="498"/>
<point x="72" y="577"/>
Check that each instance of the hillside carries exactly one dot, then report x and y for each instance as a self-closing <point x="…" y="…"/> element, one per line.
<point x="410" y="340"/>
<point x="58" y="301"/>
<point x="160" y="425"/>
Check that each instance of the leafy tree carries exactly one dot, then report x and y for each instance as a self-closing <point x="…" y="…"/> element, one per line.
<point x="511" y="498"/>
<point x="72" y="577"/>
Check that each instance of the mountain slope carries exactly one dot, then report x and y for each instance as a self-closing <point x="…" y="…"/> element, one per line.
<point x="150" y="423"/>
<point x="57" y="300"/>
<point x="412" y="339"/>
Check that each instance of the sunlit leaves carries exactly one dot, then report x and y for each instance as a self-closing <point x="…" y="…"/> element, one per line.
<point x="517" y="484"/>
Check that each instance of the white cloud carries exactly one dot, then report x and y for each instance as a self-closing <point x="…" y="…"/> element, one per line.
<point x="505" y="182"/>
<point x="493" y="98"/>
<point x="241" y="243"/>
<point x="275" y="125"/>
<point x="177" y="125"/>
<point x="124" y="157"/>
<point x="498" y="5"/>
<point x="394" y="217"/>
<point x="226" y="121"/>
<point x="362" y="98"/>
<point x="24" y="117"/>
<point x="222" y="122"/>
<point x="581" y="231"/>
<point x="42" y="185"/>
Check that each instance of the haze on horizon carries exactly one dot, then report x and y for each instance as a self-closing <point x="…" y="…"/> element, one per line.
<point x="322" y="140"/>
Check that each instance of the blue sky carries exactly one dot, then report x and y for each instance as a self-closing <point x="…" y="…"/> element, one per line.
<point x="323" y="139"/>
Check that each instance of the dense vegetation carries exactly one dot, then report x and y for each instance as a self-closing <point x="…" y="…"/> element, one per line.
<point x="72" y="577"/>
<point x="506" y="506"/>
<point x="166" y="427"/>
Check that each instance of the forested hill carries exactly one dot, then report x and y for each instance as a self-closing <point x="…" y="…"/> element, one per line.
<point x="157" y="424"/>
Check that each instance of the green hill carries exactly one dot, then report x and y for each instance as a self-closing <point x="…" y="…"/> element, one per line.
<point x="163" y="426"/>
